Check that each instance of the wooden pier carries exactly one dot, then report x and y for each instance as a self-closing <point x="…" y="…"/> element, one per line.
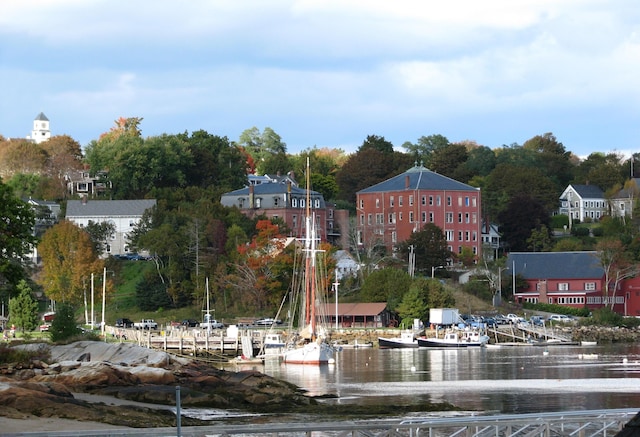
<point x="197" y="342"/>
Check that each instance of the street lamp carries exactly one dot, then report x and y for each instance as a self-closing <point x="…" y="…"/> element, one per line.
<point x="433" y="270"/>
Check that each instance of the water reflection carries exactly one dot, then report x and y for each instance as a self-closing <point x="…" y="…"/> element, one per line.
<point x="507" y="380"/>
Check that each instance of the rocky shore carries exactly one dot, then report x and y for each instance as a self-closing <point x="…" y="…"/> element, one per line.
<point x="62" y="381"/>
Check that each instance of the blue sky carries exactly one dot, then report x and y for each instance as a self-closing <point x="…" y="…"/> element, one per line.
<point x="327" y="73"/>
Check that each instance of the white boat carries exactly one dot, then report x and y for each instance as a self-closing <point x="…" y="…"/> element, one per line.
<point x="453" y="339"/>
<point x="273" y="340"/>
<point x="310" y="345"/>
<point x="407" y="339"/>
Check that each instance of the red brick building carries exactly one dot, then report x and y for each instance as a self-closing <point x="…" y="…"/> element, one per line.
<point x="392" y="210"/>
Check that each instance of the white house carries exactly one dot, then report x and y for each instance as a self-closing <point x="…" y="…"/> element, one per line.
<point x="583" y="202"/>
<point x="123" y="214"/>
<point x="345" y="265"/>
<point x="623" y="202"/>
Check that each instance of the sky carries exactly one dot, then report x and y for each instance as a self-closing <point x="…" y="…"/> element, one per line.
<point x="328" y="73"/>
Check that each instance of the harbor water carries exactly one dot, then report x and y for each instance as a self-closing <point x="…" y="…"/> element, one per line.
<point x="511" y="379"/>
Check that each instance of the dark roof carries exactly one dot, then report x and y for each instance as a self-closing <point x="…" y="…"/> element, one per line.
<point x="588" y="191"/>
<point x="270" y="188"/>
<point x="556" y="265"/>
<point x="42" y="117"/>
<point x="108" y="208"/>
<point x="420" y="178"/>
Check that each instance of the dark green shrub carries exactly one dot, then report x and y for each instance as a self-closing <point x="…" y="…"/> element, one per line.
<point x="597" y="232"/>
<point x="580" y="231"/>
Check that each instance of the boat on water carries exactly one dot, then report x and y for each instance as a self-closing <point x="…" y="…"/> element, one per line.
<point x="310" y="344"/>
<point x="407" y="339"/>
<point x="455" y="339"/>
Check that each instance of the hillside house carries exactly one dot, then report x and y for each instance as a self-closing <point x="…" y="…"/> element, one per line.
<point x="123" y="214"/>
<point x="584" y="203"/>
<point x="574" y="279"/>
<point x="624" y="201"/>
<point x="286" y="202"/>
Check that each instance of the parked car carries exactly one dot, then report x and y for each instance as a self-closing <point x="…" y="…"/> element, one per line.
<point x="514" y="318"/>
<point x="561" y="318"/>
<point x="267" y="322"/>
<point x="501" y="320"/>
<point x="190" y="323"/>
<point x="124" y="323"/>
<point x="146" y="324"/>
<point x="536" y="320"/>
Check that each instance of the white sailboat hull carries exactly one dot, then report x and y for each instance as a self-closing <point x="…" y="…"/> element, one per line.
<point x="310" y="353"/>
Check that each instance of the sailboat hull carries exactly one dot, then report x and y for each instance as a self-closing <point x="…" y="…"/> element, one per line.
<point x="310" y="353"/>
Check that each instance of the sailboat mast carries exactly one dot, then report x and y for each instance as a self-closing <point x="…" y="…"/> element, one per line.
<point x="310" y="265"/>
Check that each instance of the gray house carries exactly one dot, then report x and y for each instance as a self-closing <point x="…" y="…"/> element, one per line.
<point x="583" y="202"/>
<point x="123" y="214"/>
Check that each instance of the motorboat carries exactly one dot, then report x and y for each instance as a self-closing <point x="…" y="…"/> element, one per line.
<point x="407" y="339"/>
<point x="455" y="339"/>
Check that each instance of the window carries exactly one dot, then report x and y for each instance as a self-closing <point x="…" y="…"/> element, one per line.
<point x="276" y="201"/>
<point x="448" y="200"/>
<point x="391" y="218"/>
<point x="431" y="217"/>
<point x="294" y="202"/>
<point x="400" y="201"/>
<point x="459" y="217"/>
<point x="411" y="217"/>
<point x="438" y="201"/>
<point x="258" y="202"/>
<point x="466" y="235"/>
<point x="449" y="236"/>
<point x="317" y="203"/>
<point x="362" y="219"/>
<point x="466" y="201"/>
<point x="377" y="203"/>
<point x="379" y="219"/>
<point x="475" y="236"/>
<point x="400" y="216"/>
<point x="430" y="200"/>
<point x="108" y="248"/>
<point x="240" y="202"/>
<point x="590" y="286"/>
<point x="449" y="217"/>
<point x="424" y="216"/>
<point x="294" y="219"/>
<point x="331" y="213"/>
<point x="474" y="218"/>
<point x="411" y="200"/>
<point x="466" y="217"/>
<point x="132" y="223"/>
<point x="473" y="201"/>
<point x="563" y="286"/>
<point x="394" y="237"/>
<point x="361" y="203"/>
<point x="459" y="201"/>
<point x="369" y="219"/>
<point x="391" y="200"/>
<point x="424" y="200"/>
<point x="459" y="235"/>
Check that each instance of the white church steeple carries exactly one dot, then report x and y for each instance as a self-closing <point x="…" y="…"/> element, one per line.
<point x="40" y="130"/>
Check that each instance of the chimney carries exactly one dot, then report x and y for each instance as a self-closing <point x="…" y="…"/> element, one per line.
<point x="251" y="196"/>
<point x="406" y="182"/>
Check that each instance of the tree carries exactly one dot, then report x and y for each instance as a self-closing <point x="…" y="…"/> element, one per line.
<point x="23" y="309"/>
<point x="63" y="325"/>
<point x="429" y="246"/>
<point x="422" y="150"/>
<point x="386" y="285"/>
<point x="540" y="239"/>
<point x="69" y="258"/>
<point x="99" y="233"/>
<point x="447" y="160"/>
<point x="16" y="236"/>
<point x="522" y="215"/>
<point x="261" y="145"/>
<point x="616" y="266"/>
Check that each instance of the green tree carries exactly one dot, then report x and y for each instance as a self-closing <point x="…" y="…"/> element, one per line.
<point x="63" y="325"/>
<point x="522" y="215"/>
<point x="540" y="239"/>
<point x="385" y="285"/>
<point x="23" y="309"/>
<point x="99" y="233"/>
<point x="414" y="304"/>
<point x="261" y="145"/>
<point x="423" y="149"/>
<point x="429" y="246"/>
<point x="448" y="160"/>
<point x="16" y="237"/>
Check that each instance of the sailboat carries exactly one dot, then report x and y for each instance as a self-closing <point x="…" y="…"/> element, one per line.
<point x="310" y="345"/>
